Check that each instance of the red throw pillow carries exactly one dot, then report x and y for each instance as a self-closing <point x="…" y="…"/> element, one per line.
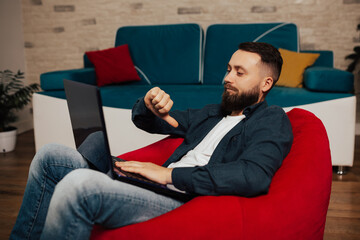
<point x="113" y="65"/>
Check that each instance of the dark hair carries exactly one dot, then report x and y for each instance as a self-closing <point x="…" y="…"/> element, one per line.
<point x="270" y="56"/>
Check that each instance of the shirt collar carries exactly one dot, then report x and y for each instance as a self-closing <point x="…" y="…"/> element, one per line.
<point x="247" y="111"/>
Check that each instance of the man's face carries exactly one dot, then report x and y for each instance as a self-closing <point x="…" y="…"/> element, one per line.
<point x="243" y="82"/>
<point x="237" y="102"/>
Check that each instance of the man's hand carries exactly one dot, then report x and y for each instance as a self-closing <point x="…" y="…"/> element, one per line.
<point x="149" y="170"/>
<point x="160" y="103"/>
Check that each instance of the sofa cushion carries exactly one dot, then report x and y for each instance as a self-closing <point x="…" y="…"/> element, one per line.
<point x="294" y="65"/>
<point x="113" y="65"/>
<point x="288" y="97"/>
<point x="325" y="79"/>
<point x="165" y="54"/>
<point x="54" y="80"/>
<point x="222" y="40"/>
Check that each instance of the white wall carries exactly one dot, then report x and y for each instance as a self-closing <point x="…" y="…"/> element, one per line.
<point x="12" y="54"/>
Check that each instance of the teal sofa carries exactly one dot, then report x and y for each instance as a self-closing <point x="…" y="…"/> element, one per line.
<point x="190" y="65"/>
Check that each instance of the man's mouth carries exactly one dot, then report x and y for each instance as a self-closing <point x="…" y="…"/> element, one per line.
<point x="230" y="89"/>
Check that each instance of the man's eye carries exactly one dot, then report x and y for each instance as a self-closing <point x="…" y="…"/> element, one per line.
<point x="239" y="73"/>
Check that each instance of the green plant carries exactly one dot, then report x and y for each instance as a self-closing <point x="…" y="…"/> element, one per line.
<point x="13" y="96"/>
<point x="355" y="57"/>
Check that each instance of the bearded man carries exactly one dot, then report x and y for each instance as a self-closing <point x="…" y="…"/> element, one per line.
<point x="232" y="148"/>
<point x="229" y="149"/>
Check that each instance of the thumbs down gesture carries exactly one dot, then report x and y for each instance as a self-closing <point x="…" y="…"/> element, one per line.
<point x="160" y="103"/>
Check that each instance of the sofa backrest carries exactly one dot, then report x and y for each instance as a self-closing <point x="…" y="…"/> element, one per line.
<point x="175" y="54"/>
<point x="326" y="58"/>
<point x="165" y="54"/>
<point x="222" y="41"/>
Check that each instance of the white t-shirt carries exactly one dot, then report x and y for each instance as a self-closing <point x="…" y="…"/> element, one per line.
<point x="201" y="154"/>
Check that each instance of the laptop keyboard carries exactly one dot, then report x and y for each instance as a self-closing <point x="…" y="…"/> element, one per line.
<point x="129" y="174"/>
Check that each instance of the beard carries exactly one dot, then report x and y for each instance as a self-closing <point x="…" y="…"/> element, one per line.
<point x="239" y="101"/>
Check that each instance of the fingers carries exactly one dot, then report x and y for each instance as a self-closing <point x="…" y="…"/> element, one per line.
<point x="157" y="96"/>
<point x="160" y="103"/>
<point x="149" y="170"/>
<point x="134" y="166"/>
<point x="161" y="100"/>
<point x="130" y="166"/>
<point x="150" y="95"/>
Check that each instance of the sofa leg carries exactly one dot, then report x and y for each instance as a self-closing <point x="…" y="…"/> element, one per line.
<point x="341" y="170"/>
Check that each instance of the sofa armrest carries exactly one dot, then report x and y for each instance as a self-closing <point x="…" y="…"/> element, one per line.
<point x="325" y="79"/>
<point x="54" y="80"/>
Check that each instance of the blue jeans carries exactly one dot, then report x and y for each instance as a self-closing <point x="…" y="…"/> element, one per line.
<point x="64" y="198"/>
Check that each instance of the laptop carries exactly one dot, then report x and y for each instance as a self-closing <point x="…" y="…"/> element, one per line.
<point x="87" y="120"/>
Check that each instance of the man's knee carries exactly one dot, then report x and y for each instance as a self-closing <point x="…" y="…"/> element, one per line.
<point x="44" y="156"/>
<point x="56" y="155"/>
<point x="74" y="190"/>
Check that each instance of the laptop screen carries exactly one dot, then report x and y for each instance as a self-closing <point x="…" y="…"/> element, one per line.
<point x="89" y="130"/>
<point x="85" y="109"/>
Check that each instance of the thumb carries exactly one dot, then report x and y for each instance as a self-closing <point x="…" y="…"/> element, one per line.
<point x="170" y="120"/>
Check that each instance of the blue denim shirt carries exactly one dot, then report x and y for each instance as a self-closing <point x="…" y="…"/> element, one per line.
<point x="244" y="161"/>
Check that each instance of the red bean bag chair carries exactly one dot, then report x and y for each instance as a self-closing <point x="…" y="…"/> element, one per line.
<point x="294" y="208"/>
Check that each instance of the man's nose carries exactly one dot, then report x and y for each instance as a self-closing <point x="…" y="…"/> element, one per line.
<point x="228" y="78"/>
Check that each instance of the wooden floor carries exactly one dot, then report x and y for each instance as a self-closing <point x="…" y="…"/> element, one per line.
<point x="14" y="167"/>
<point x="343" y="219"/>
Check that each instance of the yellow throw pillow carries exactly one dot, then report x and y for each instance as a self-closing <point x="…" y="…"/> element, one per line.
<point x="294" y="66"/>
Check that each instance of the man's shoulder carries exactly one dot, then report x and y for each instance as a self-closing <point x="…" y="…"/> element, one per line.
<point x="272" y="113"/>
<point x="274" y="109"/>
<point x="272" y="119"/>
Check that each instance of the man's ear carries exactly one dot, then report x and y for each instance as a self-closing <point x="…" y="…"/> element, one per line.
<point x="267" y="84"/>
